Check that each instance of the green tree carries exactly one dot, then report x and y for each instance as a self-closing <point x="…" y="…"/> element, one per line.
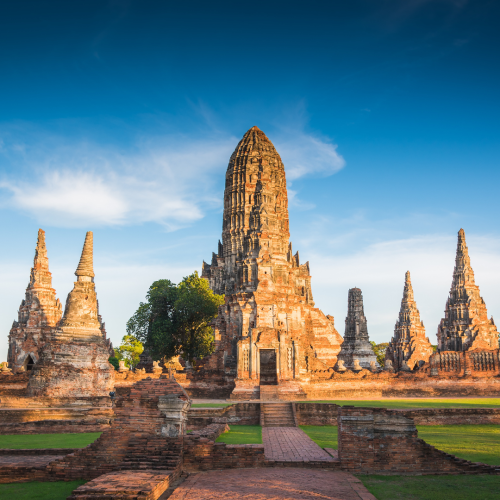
<point x="379" y="350"/>
<point x="175" y="319"/>
<point x="129" y="350"/>
<point x="115" y="362"/>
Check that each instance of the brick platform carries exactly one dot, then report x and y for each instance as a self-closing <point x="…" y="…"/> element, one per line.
<point x="272" y="484"/>
<point x="290" y="444"/>
<point x="126" y="485"/>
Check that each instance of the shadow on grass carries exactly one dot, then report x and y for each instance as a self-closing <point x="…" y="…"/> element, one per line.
<point x="59" y="490"/>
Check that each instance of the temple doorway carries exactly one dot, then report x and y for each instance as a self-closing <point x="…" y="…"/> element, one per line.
<point x="268" y="375"/>
<point x="29" y="363"/>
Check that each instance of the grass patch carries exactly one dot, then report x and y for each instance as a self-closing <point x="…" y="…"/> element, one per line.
<point x="478" y="443"/>
<point x="242" y="434"/>
<point x="211" y="405"/>
<point x="59" y="490"/>
<point x="30" y="441"/>
<point x="433" y="487"/>
<point x="418" y="403"/>
<point x="323" y="435"/>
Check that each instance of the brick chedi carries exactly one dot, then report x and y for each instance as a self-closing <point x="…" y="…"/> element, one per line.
<point x="268" y="331"/>
<point x="38" y="314"/>
<point x="356" y="345"/>
<point x="466" y="325"/>
<point x="409" y="343"/>
<point x="74" y="361"/>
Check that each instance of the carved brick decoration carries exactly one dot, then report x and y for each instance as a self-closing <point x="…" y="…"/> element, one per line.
<point x="269" y="302"/>
<point x="409" y="342"/>
<point x="74" y="360"/>
<point x="466" y="325"/>
<point x="38" y="314"/>
<point x="356" y="345"/>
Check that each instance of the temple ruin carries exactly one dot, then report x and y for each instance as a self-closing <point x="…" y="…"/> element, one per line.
<point x="465" y="325"/>
<point x="268" y="333"/>
<point x="409" y="347"/>
<point x="74" y="360"/>
<point x="38" y="314"/>
<point x="356" y="351"/>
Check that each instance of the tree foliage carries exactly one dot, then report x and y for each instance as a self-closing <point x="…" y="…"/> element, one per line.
<point x="379" y="350"/>
<point x="175" y="319"/>
<point x="129" y="350"/>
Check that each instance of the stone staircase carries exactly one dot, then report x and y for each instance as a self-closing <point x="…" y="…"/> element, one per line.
<point x="277" y="415"/>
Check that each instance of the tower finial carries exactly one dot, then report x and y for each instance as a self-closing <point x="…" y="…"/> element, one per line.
<point x="86" y="265"/>
<point x="407" y="277"/>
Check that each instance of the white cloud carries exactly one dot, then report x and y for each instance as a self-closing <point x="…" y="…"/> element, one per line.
<point x="305" y="154"/>
<point x="172" y="181"/>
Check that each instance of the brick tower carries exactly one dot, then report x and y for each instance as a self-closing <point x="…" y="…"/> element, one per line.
<point x="74" y="361"/>
<point x="269" y="331"/>
<point x="356" y="343"/>
<point x="465" y="325"/>
<point x="409" y="342"/>
<point x="38" y="314"/>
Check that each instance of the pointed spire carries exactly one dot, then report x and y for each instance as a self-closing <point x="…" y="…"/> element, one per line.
<point x="463" y="273"/>
<point x="40" y="259"/>
<point x="86" y="265"/>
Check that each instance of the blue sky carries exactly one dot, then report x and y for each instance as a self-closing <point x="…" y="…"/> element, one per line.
<point x="120" y="117"/>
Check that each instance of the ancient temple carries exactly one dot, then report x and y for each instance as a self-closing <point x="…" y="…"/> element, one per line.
<point x="409" y="346"/>
<point x="466" y="325"/>
<point x="356" y="345"/>
<point x="38" y="314"/>
<point x="74" y="360"/>
<point x="268" y="332"/>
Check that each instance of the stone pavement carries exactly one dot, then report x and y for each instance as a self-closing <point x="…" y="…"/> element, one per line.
<point x="291" y="444"/>
<point x="275" y="483"/>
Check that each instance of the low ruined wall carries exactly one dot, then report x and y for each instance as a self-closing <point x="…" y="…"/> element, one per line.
<point x="326" y="414"/>
<point x="367" y="385"/>
<point x="56" y="427"/>
<point x="380" y="441"/>
<point x="237" y="414"/>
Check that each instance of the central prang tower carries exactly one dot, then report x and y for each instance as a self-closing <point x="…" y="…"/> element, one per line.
<point x="268" y="332"/>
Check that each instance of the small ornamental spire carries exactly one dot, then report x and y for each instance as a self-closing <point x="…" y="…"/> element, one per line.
<point x="41" y="250"/>
<point x="86" y="265"/>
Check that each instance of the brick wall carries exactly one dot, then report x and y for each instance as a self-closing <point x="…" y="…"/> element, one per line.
<point x="237" y="414"/>
<point x="56" y="427"/>
<point x="379" y="441"/>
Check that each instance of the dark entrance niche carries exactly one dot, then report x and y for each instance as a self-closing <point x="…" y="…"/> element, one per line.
<point x="29" y="363"/>
<point x="268" y="374"/>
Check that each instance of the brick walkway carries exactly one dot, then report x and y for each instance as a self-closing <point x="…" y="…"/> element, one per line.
<point x="291" y="444"/>
<point x="275" y="483"/>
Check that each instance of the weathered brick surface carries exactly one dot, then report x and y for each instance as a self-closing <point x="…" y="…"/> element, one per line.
<point x="268" y="331"/>
<point x="236" y="414"/>
<point x="133" y="485"/>
<point x="74" y="360"/>
<point x="375" y="440"/>
<point x="466" y="325"/>
<point x="409" y="344"/>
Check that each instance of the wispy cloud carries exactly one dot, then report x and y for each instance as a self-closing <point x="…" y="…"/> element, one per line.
<point x="171" y="180"/>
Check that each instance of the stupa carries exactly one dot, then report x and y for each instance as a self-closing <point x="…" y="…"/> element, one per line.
<point x="269" y="331"/>
<point x="409" y="343"/>
<point x="74" y="360"/>
<point x="465" y="325"/>
<point x="356" y="345"/>
<point x="38" y="314"/>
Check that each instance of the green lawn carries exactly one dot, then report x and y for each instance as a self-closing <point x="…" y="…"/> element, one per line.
<point x="210" y="405"/>
<point x="323" y="435"/>
<point x="242" y="434"/>
<point x="25" y="441"/>
<point x="418" y="403"/>
<point x="433" y="487"/>
<point x="478" y="443"/>
<point x="59" y="490"/>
